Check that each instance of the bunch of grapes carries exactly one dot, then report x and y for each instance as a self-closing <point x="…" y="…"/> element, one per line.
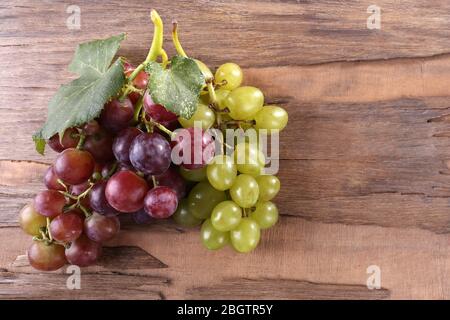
<point x="121" y="163"/>
<point x="232" y="198"/>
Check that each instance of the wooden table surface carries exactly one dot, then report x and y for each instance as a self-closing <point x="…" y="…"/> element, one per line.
<point x="365" y="158"/>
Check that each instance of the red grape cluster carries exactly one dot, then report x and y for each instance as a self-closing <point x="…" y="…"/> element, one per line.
<point x="109" y="166"/>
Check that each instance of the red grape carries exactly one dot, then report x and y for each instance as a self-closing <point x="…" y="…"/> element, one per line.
<point x="83" y="252"/>
<point x="125" y="191"/>
<point x="74" y="166"/>
<point x="51" y="180"/>
<point x="122" y="143"/>
<point x="134" y="97"/>
<point x="49" y="203"/>
<point x="67" y="227"/>
<point x="198" y="144"/>
<point x="159" y="114"/>
<point x="172" y="179"/>
<point x="70" y="140"/>
<point x="117" y="115"/>
<point x="99" y="228"/>
<point x="91" y="128"/>
<point x="161" y="202"/>
<point x="78" y="189"/>
<point x="98" y="200"/>
<point x="141" y="80"/>
<point x="142" y="217"/>
<point x="99" y="146"/>
<point x="46" y="257"/>
<point x="150" y="153"/>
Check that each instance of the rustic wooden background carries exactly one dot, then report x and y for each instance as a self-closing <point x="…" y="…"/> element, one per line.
<point x="365" y="158"/>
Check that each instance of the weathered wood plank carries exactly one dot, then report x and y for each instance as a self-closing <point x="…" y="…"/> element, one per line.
<point x="271" y="32"/>
<point x="282" y="289"/>
<point x="413" y="263"/>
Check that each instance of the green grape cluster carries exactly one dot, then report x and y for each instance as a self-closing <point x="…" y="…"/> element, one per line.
<point x="232" y="197"/>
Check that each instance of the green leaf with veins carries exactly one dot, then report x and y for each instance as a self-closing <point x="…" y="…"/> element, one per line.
<point x="83" y="99"/>
<point x="178" y="88"/>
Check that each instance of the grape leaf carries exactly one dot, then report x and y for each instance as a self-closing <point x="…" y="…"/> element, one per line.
<point x="178" y="88"/>
<point x="83" y="99"/>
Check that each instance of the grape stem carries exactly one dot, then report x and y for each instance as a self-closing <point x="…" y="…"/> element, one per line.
<point x="138" y="109"/>
<point x="155" y="183"/>
<point x="48" y="229"/>
<point x="155" y="50"/>
<point x="176" y="41"/>
<point x="81" y="142"/>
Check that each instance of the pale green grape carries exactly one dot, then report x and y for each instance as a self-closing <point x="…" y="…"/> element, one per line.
<point x="231" y="73"/>
<point x="203" y="198"/>
<point x="31" y="221"/>
<point x="221" y="172"/>
<point x="221" y="95"/>
<point x="203" y="114"/>
<point x="249" y="159"/>
<point x="269" y="186"/>
<point x="226" y="216"/>
<point x="184" y="217"/>
<point x="265" y="214"/>
<point x="271" y="118"/>
<point x="245" y="191"/>
<point x="204" y="69"/>
<point x="244" y="103"/>
<point x="212" y="238"/>
<point x="195" y="175"/>
<point x="245" y="237"/>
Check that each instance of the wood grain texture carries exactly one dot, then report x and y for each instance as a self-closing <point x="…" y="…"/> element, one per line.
<point x="365" y="158"/>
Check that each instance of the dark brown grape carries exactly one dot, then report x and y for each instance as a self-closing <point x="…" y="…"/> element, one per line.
<point x="99" y="145"/>
<point x="45" y="257"/>
<point x="117" y="115"/>
<point x="74" y="166"/>
<point x="122" y="143"/>
<point x="98" y="200"/>
<point x="150" y="153"/>
<point x="99" y="228"/>
<point x="172" y="179"/>
<point x="125" y="191"/>
<point x="83" y="252"/>
<point x="49" y="203"/>
<point x="51" y="180"/>
<point x="70" y="139"/>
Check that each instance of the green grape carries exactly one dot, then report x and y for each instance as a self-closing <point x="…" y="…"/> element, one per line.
<point x="203" y="198"/>
<point x="245" y="237"/>
<point x="221" y="95"/>
<point x="244" y="103"/>
<point x="184" y="217"/>
<point x="271" y="118"/>
<point x="245" y="191"/>
<point x="31" y="221"/>
<point x="212" y="238"/>
<point x="195" y="175"/>
<point x="226" y="216"/>
<point x="204" y="69"/>
<point x="221" y="172"/>
<point x="231" y="73"/>
<point x="265" y="214"/>
<point x="269" y="186"/>
<point x="203" y="114"/>
<point x="249" y="159"/>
